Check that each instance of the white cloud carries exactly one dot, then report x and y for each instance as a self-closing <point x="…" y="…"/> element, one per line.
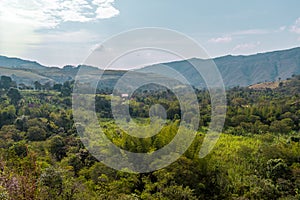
<point x="105" y="9"/>
<point x="251" y="32"/>
<point x="282" y="28"/>
<point x="20" y="21"/>
<point x="225" y="39"/>
<point x="106" y="2"/>
<point x="245" y="47"/>
<point x="295" y="28"/>
<point x="50" y="13"/>
<point x="106" y="12"/>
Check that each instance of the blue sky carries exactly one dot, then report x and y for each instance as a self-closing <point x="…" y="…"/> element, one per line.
<point x="60" y="32"/>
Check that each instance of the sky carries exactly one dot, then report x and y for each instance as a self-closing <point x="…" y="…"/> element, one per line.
<point x="61" y="32"/>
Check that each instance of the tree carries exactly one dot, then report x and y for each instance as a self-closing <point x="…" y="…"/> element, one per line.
<point x="7" y="115"/>
<point x="37" y="85"/>
<point x="9" y="132"/>
<point x="6" y="82"/>
<point x="47" y="86"/>
<point x="277" y="168"/>
<point x="57" y="147"/>
<point x="14" y="96"/>
<point x="22" y="86"/>
<point x="57" y="87"/>
<point x="164" y="187"/>
<point x="20" y="149"/>
<point x="76" y="163"/>
<point x="36" y="133"/>
<point x="52" y="183"/>
<point x="66" y="89"/>
<point x="282" y="127"/>
<point x="21" y="123"/>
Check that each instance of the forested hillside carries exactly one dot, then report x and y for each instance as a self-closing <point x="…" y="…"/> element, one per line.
<point x="257" y="156"/>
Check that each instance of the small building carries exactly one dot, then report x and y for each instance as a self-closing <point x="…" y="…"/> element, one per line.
<point x="124" y="96"/>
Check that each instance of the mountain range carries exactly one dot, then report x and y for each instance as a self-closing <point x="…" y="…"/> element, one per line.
<point x="235" y="70"/>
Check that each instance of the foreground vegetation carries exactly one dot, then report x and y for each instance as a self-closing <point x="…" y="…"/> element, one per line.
<point x="257" y="157"/>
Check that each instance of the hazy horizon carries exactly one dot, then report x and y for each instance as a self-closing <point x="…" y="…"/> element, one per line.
<point x="138" y="67"/>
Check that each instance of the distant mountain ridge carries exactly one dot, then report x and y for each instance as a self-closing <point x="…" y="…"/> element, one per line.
<point x="19" y="63"/>
<point x="242" y="70"/>
<point x="235" y="70"/>
<point x="262" y="67"/>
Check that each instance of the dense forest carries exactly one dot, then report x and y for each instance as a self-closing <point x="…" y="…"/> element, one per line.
<point x="256" y="157"/>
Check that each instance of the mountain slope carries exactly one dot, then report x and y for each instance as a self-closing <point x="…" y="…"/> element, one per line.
<point x="241" y="70"/>
<point x="235" y="70"/>
<point x="247" y="70"/>
<point x="18" y="63"/>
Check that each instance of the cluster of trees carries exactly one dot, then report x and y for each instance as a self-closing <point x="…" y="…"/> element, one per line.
<point x="249" y="111"/>
<point x="6" y="82"/>
<point x="257" y="112"/>
<point x="42" y="157"/>
<point x="65" y="89"/>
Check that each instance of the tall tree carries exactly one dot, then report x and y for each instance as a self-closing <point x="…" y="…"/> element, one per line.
<point x="14" y="96"/>
<point x="6" y="82"/>
<point x="37" y="85"/>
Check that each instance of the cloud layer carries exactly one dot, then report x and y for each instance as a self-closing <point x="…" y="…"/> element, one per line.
<point x="26" y="24"/>
<point x="224" y="39"/>
<point x="296" y="27"/>
<point x="50" y="13"/>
